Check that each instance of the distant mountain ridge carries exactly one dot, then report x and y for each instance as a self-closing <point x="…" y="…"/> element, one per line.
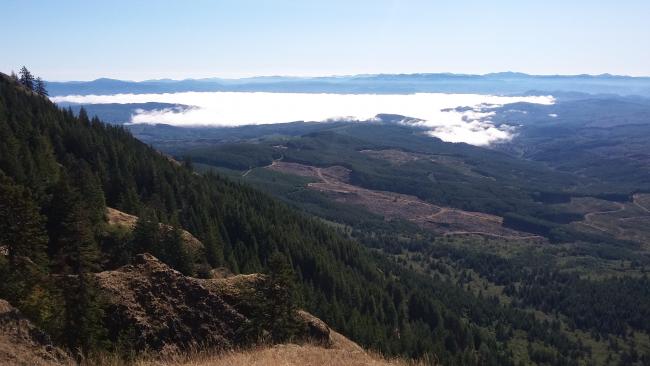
<point x="497" y="83"/>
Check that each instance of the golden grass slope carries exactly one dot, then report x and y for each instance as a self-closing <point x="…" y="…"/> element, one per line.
<point x="284" y="355"/>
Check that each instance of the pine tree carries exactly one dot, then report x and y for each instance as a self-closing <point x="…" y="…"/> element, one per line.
<point x="26" y="78"/>
<point x="39" y="87"/>
<point x="14" y="77"/>
<point x="76" y="256"/>
<point x="278" y="305"/>
<point x="129" y="201"/>
<point x="72" y="239"/>
<point x="22" y="234"/>
<point x="213" y="248"/>
<point x="91" y="190"/>
<point x="21" y="225"/>
<point x="84" y="312"/>
<point x="174" y="252"/>
<point x="146" y="234"/>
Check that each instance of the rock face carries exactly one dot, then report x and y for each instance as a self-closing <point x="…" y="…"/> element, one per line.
<point x="160" y="309"/>
<point x="157" y="308"/>
<point x="153" y="307"/>
<point x="21" y="343"/>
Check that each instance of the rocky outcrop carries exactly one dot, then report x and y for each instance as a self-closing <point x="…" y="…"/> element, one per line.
<point x="160" y="309"/>
<point x="317" y="330"/>
<point x="21" y="343"/>
<point x="153" y="307"/>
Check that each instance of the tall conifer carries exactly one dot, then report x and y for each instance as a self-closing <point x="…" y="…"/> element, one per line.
<point x="26" y="78"/>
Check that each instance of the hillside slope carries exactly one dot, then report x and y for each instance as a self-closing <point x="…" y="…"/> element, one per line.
<point x="59" y="172"/>
<point x="167" y="313"/>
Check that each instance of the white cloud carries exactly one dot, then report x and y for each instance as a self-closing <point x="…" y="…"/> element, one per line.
<point x="436" y="110"/>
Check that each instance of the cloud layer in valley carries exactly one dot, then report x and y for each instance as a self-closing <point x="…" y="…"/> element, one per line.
<point x="444" y="115"/>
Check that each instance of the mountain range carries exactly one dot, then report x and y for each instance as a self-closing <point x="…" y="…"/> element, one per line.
<point x="506" y="83"/>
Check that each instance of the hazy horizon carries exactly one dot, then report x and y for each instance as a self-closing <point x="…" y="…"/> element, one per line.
<point x="252" y="76"/>
<point x="170" y="39"/>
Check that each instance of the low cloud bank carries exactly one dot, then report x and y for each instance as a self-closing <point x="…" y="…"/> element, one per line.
<point x="450" y="117"/>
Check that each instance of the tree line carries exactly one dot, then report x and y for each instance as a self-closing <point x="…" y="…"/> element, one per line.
<point x="29" y="81"/>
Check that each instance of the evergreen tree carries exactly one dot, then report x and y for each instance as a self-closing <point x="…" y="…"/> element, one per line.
<point x="72" y="237"/>
<point x="22" y="235"/>
<point x="76" y="256"/>
<point x="91" y="190"/>
<point x="26" y="78"/>
<point x="213" y="248"/>
<point x="174" y="252"/>
<point x="21" y="225"/>
<point x="39" y="87"/>
<point x="84" y="331"/>
<point x="129" y="201"/>
<point x="278" y="302"/>
<point x="146" y="234"/>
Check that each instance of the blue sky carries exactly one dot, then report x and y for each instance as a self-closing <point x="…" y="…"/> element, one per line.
<point x="82" y="40"/>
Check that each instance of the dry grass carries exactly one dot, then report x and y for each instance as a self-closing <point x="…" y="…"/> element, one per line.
<point x="281" y="355"/>
<point x="16" y="354"/>
<point x="285" y="355"/>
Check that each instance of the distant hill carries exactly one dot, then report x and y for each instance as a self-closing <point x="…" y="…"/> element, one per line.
<point x="497" y="83"/>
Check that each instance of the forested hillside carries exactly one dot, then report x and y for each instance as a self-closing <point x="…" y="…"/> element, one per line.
<point x="569" y="246"/>
<point x="60" y="172"/>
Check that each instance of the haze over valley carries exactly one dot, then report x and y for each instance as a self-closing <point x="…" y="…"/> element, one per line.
<point x="450" y="117"/>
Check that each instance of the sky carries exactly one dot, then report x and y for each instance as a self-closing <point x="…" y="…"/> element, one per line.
<point x="139" y="40"/>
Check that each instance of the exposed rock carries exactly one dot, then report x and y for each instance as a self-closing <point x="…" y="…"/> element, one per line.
<point x="317" y="329"/>
<point x="160" y="309"/>
<point x="21" y="343"/>
<point x="220" y="272"/>
<point x="153" y="307"/>
<point x="164" y="310"/>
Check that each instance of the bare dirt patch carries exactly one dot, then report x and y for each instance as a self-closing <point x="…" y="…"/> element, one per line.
<point x="442" y="220"/>
<point x="394" y="156"/>
<point x="627" y="221"/>
<point x="399" y="157"/>
<point x="642" y="200"/>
